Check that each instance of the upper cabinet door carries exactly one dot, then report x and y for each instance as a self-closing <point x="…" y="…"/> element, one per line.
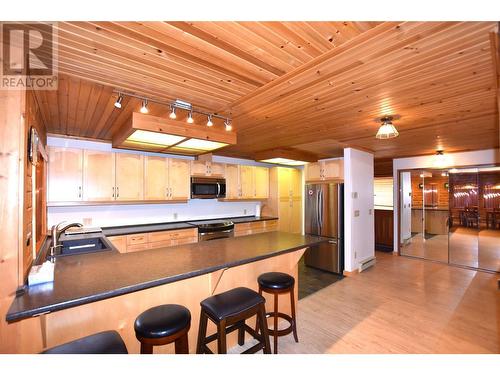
<point x="247" y="181"/>
<point x="98" y="175"/>
<point x="65" y="183"/>
<point x="216" y="169"/>
<point x="284" y="177"/>
<point x="314" y="171"/>
<point x="333" y="169"/>
<point x="232" y="181"/>
<point x="129" y="177"/>
<point x="295" y="182"/>
<point x="179" y="179"/>
<point x="261" y="182"/>
<point x="199" y="168"/>
<point x="156" y="178"/>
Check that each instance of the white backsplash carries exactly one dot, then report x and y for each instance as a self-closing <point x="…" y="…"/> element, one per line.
<point x="116" y="215"/>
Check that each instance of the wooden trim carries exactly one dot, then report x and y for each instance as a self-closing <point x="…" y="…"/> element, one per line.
<point x="109" y="203"/>
<point x="286" y="153"/>
<point x="241" y="199"/>
<point x="350" y="273"/>
<point x="326" y="180"/>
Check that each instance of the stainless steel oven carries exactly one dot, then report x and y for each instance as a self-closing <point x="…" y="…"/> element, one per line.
<point x="214" y="229"/>
<point x="207" y="188"/>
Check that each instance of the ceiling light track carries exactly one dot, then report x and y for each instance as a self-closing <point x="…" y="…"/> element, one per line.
<point x="177" y="104"/>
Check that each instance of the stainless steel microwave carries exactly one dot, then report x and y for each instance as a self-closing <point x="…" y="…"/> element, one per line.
<point x="207" y="188"/>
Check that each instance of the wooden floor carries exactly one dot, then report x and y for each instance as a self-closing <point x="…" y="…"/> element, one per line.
<point x="401" y="305"/>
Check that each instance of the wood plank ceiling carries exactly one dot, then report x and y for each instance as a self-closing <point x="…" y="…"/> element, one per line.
<point x="314" y="86"/>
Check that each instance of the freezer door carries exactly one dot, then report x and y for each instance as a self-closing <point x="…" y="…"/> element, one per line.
<point x="324" y="256"/>
<point x="328" y="210"/>
<point x="311" y="210"/>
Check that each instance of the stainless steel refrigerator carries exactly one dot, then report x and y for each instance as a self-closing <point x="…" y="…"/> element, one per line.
<point x="324" y="216"/>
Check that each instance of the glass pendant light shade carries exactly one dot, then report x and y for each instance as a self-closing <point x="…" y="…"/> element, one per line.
<point x="387" y="129"/>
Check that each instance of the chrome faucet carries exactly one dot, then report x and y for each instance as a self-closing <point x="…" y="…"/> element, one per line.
<point x="56" y="233"/>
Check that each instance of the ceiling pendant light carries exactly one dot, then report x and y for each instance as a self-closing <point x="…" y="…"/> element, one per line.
<point x="144" y="108"/>
<point x="118" y="103"/>
<point x="190" y="118"/>
<point x="172" y="115"/>
<point x="209" y="121"/>
<point x="387" y="129"/>
<point x="440" y="159"/>
<point x="228" y="125"/>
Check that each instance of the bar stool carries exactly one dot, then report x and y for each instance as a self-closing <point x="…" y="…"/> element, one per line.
<point x="228" y="311"/>
<point x="277" y="283"/>
<point x="106" y="342"/>
<point x="162" y="325"/>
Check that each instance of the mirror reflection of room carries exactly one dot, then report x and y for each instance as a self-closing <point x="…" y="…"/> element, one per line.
<point x="429" y="215"/>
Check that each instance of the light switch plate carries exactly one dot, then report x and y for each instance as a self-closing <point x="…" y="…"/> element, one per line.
<point x="356" y="213"/>
<point x="354" y="195"/>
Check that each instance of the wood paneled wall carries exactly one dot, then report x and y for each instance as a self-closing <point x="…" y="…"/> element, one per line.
<point x="438" y="181"/>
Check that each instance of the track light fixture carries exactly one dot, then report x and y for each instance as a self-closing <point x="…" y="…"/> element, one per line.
<point x="144" y="107"/>
<point x="177" y="104"/>
<point x="118" y="103"/>
<point x="172" y="115"/>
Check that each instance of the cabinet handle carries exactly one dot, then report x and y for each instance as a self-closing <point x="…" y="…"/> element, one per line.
<point x="117" y="192"/>
<point x="79" y="191"/>
<point x="113" y="191"/>
<point x="170" y="192"/>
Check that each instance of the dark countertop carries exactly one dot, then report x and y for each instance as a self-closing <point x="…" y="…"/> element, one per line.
<point x="143" y="228"/>
<point x="81" y="279"/>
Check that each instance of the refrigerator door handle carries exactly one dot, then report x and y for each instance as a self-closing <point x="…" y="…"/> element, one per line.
<point x="320" y="210"/>
<point x="333" y="242"/>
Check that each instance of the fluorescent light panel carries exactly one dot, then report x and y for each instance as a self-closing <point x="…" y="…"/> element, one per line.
<point x="284" y="161"/>
<point x="153" y="138"/>
<point x="200" y="144"/>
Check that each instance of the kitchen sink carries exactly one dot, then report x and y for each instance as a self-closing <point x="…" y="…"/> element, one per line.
<point x="83" y="246"/>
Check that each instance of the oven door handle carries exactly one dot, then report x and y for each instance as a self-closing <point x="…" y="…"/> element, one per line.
<point x="218" y="189"/>
<point x="220" y="231"/>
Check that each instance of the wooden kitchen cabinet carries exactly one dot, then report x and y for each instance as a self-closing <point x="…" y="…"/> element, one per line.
<point x="244" y="229"/>
<point x="324" y="170"/>
<point x="179" y="179"/>
<point x="155" y="178"/>
<point x="261" y="182"/>
<point x="247" y="182"/>
<point x="129" y="184"/>
<point x="154" y="240"/>
<point x="232" y="181"/>
<point x="65" y="171"/>
<point x="203" y="168"/>
<point x="286" y="198"/>
<point x="166" y="178"/>
<point x="98" y="175"/>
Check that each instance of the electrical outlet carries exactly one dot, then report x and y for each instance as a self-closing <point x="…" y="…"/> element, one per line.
<point x="87" y="221"/>
<point x="244" y="211"/>
<point x="354" y="195"/>
<point x="356" y="213"/>
<point x="175" y="215"/>
<point x="355" y="255"/>
<point x="370" y="211"/>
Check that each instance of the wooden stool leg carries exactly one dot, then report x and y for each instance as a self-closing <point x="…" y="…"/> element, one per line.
<point x="257" y="319"/>
<point x="294" y="322"/>
<point x="261" y="318"/>
<point x="146" y="348"/>
<point x="182" y="345"/>
<point x="241" y="334"/>
<point x="275" y="328"/>
<point x="221" y="339"/>
<point x="202" y="333"/>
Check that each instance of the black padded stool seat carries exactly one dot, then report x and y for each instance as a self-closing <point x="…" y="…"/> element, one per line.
<point x="107" y="342"/>
<point x="232" y="302"/>
<point x="229" y="311"/>
<point x="161" y="321"/>
<point x="276" y="280"/>
<point x="277" y="283"/>
<point x="163" y="325"/>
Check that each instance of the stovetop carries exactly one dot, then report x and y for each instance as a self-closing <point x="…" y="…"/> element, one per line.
<point x="215" y="223"/>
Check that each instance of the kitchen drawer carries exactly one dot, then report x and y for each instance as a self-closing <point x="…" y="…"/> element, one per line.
<point x="138" y="247"/>
<point x="120" y="242"/>
<point x="172" y="235"/>
<point x="159" y="244"/>
<point x="136" y="239"/>
<point x="183" y="241"/>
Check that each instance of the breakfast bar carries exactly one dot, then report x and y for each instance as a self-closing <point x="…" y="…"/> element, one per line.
<point x="108" y="290"/>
